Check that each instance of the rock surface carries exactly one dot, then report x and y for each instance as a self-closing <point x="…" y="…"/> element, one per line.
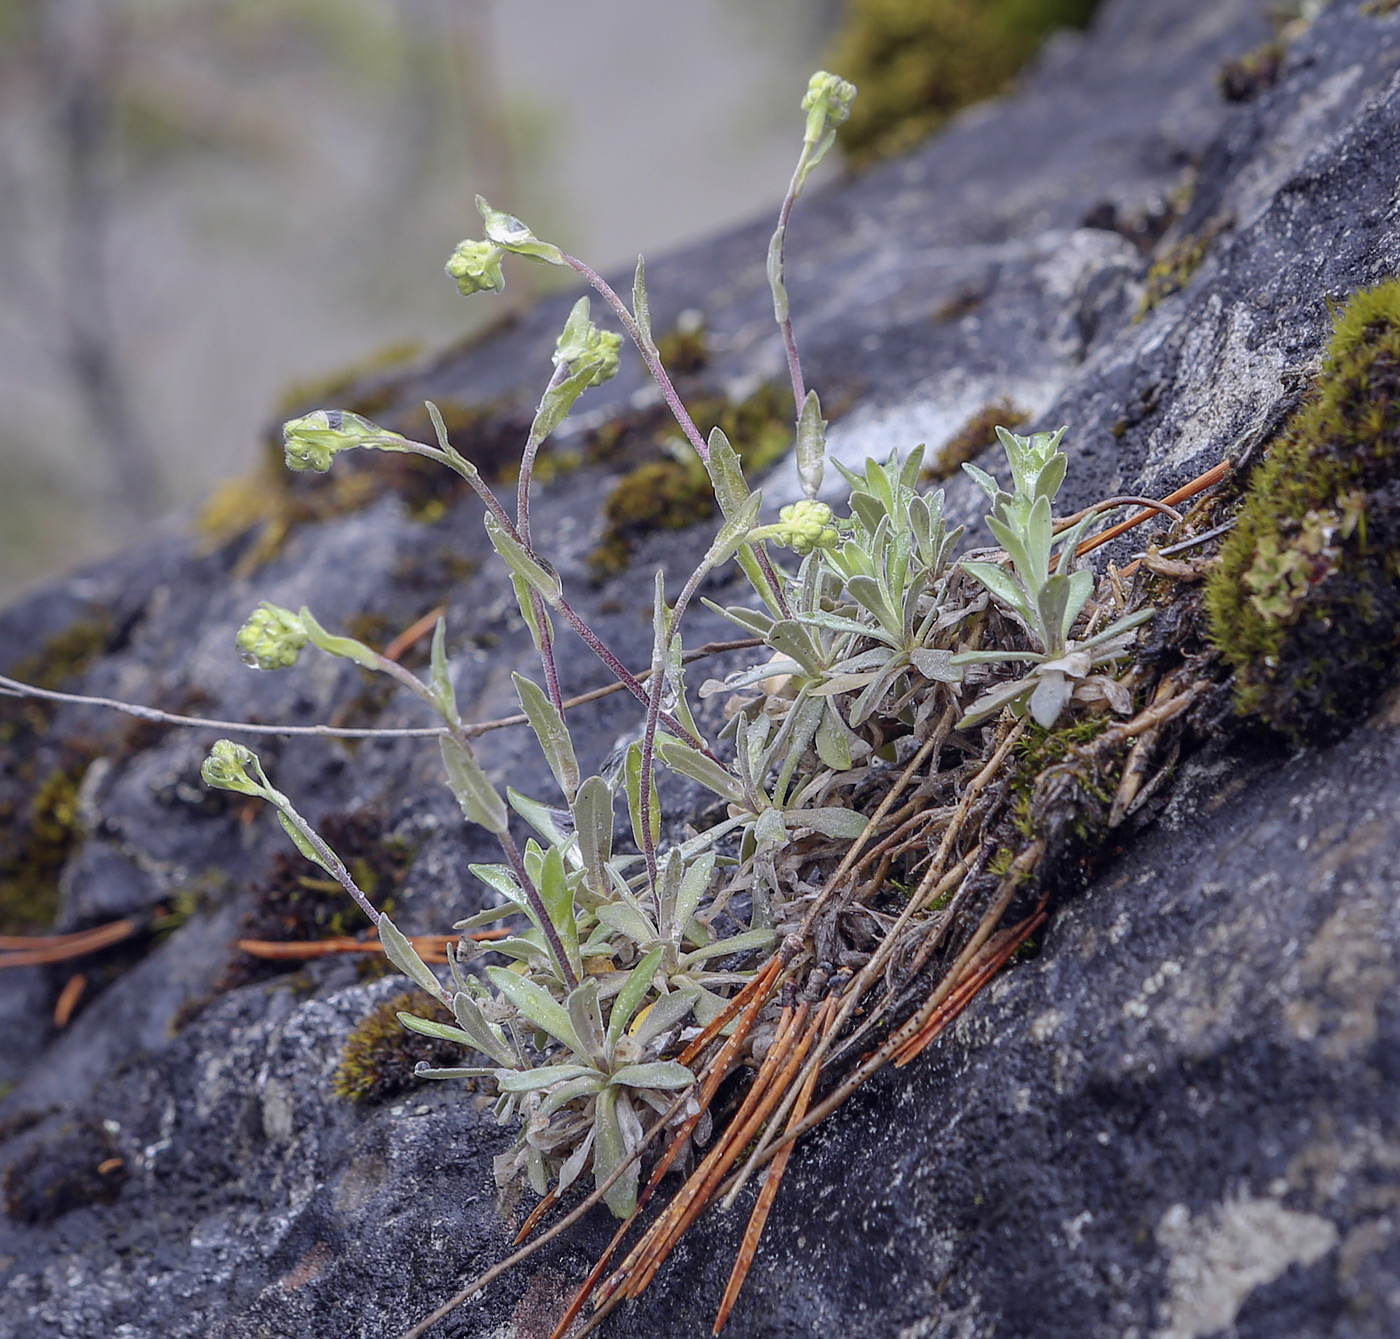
<point x="1179" y="1120"/>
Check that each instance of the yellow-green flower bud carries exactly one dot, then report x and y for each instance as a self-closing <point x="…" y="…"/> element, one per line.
<point x="805" y="526"/>
<point x="476" y="266"/>
<point x="827" y="103"/>
<point x="226" y="768"/>
<point x="312" y="442"/>
<point x="272" y="638"/>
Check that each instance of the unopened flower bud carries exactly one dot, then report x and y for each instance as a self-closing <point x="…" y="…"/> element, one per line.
<point x="226" y="768"/>
<point x="805" y="526"/>
<point x="272" y="638"/>
<point x="827" y="103"/>
<point x="312" y="442"/>
<point x="476" y="266"/>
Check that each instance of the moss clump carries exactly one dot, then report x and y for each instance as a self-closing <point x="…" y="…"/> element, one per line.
<point x="916" y="62"/>
<point x="685" y="350"/>
<point x="381" y="1054"/>
<point x="36" y="839"/>
<point x="666" y="493"/>
<point x="974" y="437"/>
<point x="1305" y="602"/>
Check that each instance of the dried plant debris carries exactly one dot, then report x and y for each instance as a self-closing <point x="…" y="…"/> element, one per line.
<point x="79" y="1164"/>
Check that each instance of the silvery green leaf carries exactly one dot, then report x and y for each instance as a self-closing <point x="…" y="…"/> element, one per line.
<point x="547" y="721"/>
<point x="1053" y="604"/>
<point x="538" y="1006"/>
<point x="984" y="481"/>
<point x="628" y="921"/>
<point x="666" y="1013"/>
<point x="734" y="531"/>
<point x="634" y="799"/>
<point x="630" y="997"/>
<point x="1070" y="540"/>
<point x="609" y="1150"/>
<point x="789" y="638"/>
<point x="713" y="776"/>
<point x="1051" y="693"/>
<point x="536" y="619"/>
<point x="753" y="621"/>
<point x="836" y="623"/>
<point x="301" y="841"/>
<point x="726" y="474"/>
<point x="835" y="683"/>
<point x="873" y="693"/>
<point x="546" y="1076"/>
<point x="748" y="942"/>
<point x="775" y="277"/>
<point x="422" y="1070"/>
<point x="1081" y="586"/>
<point x="833" y="745"/>
<point x="475" y="794"/>
<point x="1016" y="546"/>
<point x="593" y="825"/>
<point x="1000" y="582"/>
<point x="1051" y="476"/>
<point x="587" y="1018"/>
<point x="405" y="957"/>
<point x="770" y="830"/>
<point x="811" y="445"/>
<point x="641" y="307"/>
<point x="558" y="901"/>
<point x="431" y="1028"/>
<point x="692" y="889"/>
<point x="746" y="678"/>
<point x="936" y="665"/>
<point x="867" y="510"/>
<point x="500" y="878"/>
<point x="994" y="699"/>
<point x="666" y="1074"/>
<point x="345" y="647"/>
<point x="484" y="1037"/>
<point x="992" y="657"/>
<point x="528" y="568"/>
<point x="544" y="820"/>
<point x="585" y="1085"/>
<point x="557" y="400"/>
<point x="444" y="694"/>
<point x="833" y="822"/>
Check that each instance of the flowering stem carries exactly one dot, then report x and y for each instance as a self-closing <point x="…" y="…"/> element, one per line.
<point x="648" y="352"/>
<point x="556" y="945"/>
<point x="778" y="246"/>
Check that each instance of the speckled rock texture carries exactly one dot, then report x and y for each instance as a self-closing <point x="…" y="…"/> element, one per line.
<point x="1180" y="1120"/>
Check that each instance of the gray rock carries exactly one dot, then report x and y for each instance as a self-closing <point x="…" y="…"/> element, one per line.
<point x="1179" y="1120"/>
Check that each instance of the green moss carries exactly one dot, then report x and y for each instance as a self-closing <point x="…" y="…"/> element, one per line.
<point x="916" y="62"/>
<point x="684" y="350"/>
<point x="36" y="840"/>
<point x="666" y="493"/>
<point x="380" y="1054"/>
<point x="1243" y="78"/>
<point x="1305" y="601"/>
<point x="974" y="437"/>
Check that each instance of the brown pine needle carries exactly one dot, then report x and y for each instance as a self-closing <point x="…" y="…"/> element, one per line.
<point x="68" y="999"/>
<point x="759" y="1218"/>
<point x="537" y="1215"/>
<point x="416" y="630"/>
<point x="26" y="951"/>
<point x="432" y="948"/>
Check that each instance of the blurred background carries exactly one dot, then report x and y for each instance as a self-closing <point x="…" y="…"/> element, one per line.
<point x="207" y="206"/>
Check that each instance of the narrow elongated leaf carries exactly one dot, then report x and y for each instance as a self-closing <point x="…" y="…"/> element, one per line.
<point x="1081" y="586"/>
<point x="726" y="474"/>
<point x="1052" y="691"/>
<point x="628" y="921"/>
<point x="546" y="1076"/>
<point x="558" y="901"/>
<point x="593" y="825"/>
<point x="538" y="1006"/>
<point x="688" y="897"/>
<point x="734" y="531"/>
<point x="747" y="942"/>
<point x="833" y="745"/>
<point x="664" y="1074"/>
<point x="431" y="1028"/>
<point x="1053" y="603"/>
<point x="485" y="1038"/>
<point x="669" y="1011"/>
<point x="713" y="776"/>
<point x="528" y="568"/>
<point x="834" y="822"/>
<point x="634" y="799"/>
<point x="345" y="647"/>
<point x="477" y="797"/>
<point x="587" y="1018"/>
<point x="1000" y="582"/>
<point x="444" y="694"/>
<point x="547" y="721"/>
<point x="936" y="665"/>
<point x="811" y="445"/>
<point x="641" y="306"/>
<point x="630" y="997"/>
<point x="551" y="824"/>
<point x="405" y="957"/>
<point x="609" y="1149"/>
<point x="984" y="481"/>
